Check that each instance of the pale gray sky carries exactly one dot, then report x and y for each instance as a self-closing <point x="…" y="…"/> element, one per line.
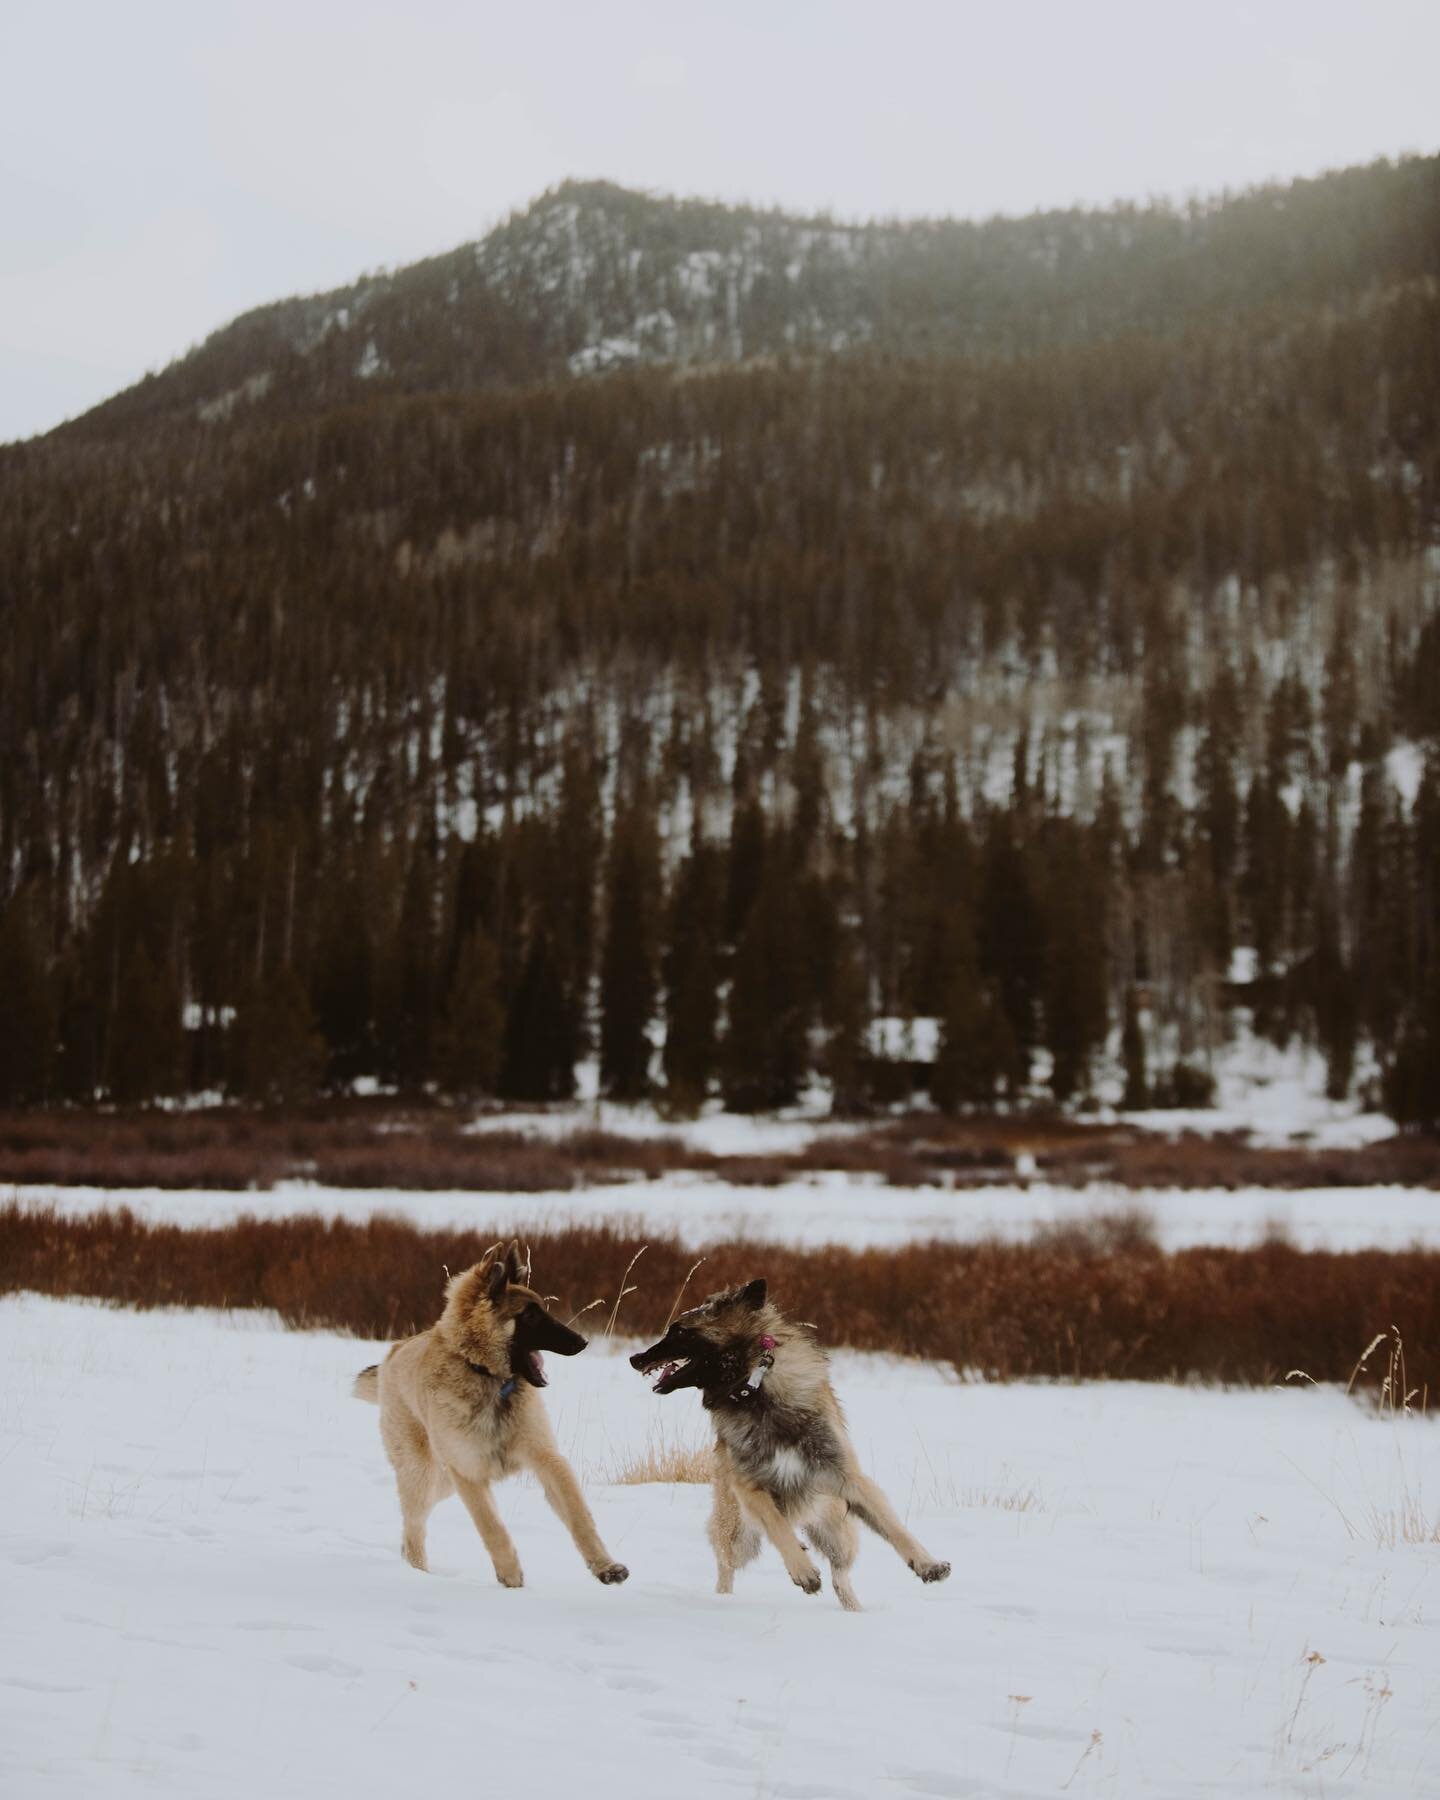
<point x="165" y="164"/>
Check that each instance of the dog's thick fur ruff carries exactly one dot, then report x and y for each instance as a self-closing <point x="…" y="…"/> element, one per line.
<point x="459" y="1411"/>
<point x="782" y="1456"/>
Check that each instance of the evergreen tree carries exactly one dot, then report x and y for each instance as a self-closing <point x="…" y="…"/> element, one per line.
<point x="540" y="1030"/>
<point x="1411" y="1085"/>
<point x="1341" y="702"/>
<point x="1011" y="933"/>
<point x="765" y="1057"/>
<point x="410" y="1037"/>
<point x="277" y="1052"/>
<point x="27" y="1037"/>
<point x="846" y="1020"/>
<point x="81" y="1028"/>
<point x="627" y="974"/>
<point x="692" y="979"/>
<point x="147" y="1040"/>
<point x="342" y="982"/>
<point x="745" y="866"/>
<point x="814" y="901"/>
<point x="1075" y="981"/>
<point x="808" y="780"/>
<point x="1132" y="1052"/>
<point x="1336" y="1010"/>
<point x="473" y="1026"/>
<point x="573" y="882"/>
<point x="1267" y="837"/>
<point x="1385" y="980"/>
<point x="977" y="1054"/>
<point x="1218" y="820"/>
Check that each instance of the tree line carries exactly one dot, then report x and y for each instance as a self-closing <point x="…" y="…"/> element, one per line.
<point x="749" y="962"/>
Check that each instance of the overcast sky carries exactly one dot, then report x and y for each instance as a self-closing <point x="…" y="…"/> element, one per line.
<point x="165" y="164"/>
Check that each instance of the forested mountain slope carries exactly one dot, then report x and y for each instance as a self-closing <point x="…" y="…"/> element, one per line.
<point x="668" y="611"/>
<point x="593" y="276"/>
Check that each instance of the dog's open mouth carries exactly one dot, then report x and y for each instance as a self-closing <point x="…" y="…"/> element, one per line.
<point x="666" y="1375"/>
<point x="529" y="1365"/>
<point x="667" y="1366"/>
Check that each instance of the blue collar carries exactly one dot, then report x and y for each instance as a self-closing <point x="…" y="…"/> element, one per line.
<point x="507" y="1387"/>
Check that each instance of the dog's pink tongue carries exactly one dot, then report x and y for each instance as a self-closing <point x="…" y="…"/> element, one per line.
<point x="667" y="1372"/>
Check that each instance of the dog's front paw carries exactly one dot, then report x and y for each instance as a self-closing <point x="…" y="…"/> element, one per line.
<point x="513" y="1578"/>
<point x="808" y="1580"/>
<point x="612" y="1574"/>
<point x="932" y="1571"/>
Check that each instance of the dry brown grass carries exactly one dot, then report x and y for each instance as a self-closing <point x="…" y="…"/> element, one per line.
<point x="385" y="1143"/>
<point x="977" y="1151"/>
<point x="351" y="1144"/>
<point x="662" y="1459"/>
<point x="1401" y="1514"/>
<point x="1103" y="1304"/>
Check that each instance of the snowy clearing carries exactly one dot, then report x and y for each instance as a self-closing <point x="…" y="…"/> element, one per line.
<point x="1272" y="1096"/>
<point x="1156" y="1590"/>
<point x="713" y="1131"/>
<point x="826" y="1208"/>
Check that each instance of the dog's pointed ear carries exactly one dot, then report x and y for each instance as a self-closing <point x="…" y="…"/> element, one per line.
<point x="497" y="1280"/>
<point x="753" y="1293"/>
<point x="514" y="1267"/>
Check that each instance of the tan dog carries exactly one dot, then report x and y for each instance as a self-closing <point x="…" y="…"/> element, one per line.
<point x="782" y="1456"/>
<point x="458" y="1411"/>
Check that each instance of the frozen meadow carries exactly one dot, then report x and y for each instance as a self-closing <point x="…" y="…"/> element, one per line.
<point x="825" y="1208"/>
<point x="1156" y="1590"/>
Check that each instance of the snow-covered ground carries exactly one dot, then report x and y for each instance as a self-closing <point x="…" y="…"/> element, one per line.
<point x="827" y="1208"/>
<point x="713" y="1131"/>
<point x="1275" y="1096"/>
<point x="1156" y="1591"/>
<point x="1271" y="1095"/>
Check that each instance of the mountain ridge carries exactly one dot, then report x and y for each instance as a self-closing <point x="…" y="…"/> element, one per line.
<point x="592" y="276"/>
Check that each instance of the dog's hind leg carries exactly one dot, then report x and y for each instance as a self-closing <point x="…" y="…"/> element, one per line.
<point x="418" y="1495"/>
<point x="419" y="1481"/>
<point x="837" y="1540"/>
<point x="871" y="1508"/>
<point x="480" y="1504"/>
<point x="734" y="1540"/>
<point x="562" y="1490"/>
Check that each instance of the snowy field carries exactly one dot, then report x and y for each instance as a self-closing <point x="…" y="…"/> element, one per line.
<point x="1156" y="1591"/>
<point x="828" y="1208"/>
<point x="1271" y="1095"/>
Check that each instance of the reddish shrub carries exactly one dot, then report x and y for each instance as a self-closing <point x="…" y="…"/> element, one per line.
<point x="1102" y="1303"/>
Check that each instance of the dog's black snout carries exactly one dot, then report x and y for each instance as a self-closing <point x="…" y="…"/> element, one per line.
<point x="637" y="1360"/>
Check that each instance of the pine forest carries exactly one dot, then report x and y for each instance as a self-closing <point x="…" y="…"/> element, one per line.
<point x="703" y="640"/>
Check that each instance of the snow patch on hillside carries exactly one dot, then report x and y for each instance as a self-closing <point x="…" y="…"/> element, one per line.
<point x="213" y="412"/>
<point x="1405" y="767"/>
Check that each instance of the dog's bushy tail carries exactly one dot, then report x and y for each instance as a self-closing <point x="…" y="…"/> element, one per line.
<point x="367" y="1385"/>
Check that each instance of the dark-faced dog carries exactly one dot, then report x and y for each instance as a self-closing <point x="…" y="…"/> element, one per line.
<point x="459" y="1410"/>
<point x="782" y="1457"/>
